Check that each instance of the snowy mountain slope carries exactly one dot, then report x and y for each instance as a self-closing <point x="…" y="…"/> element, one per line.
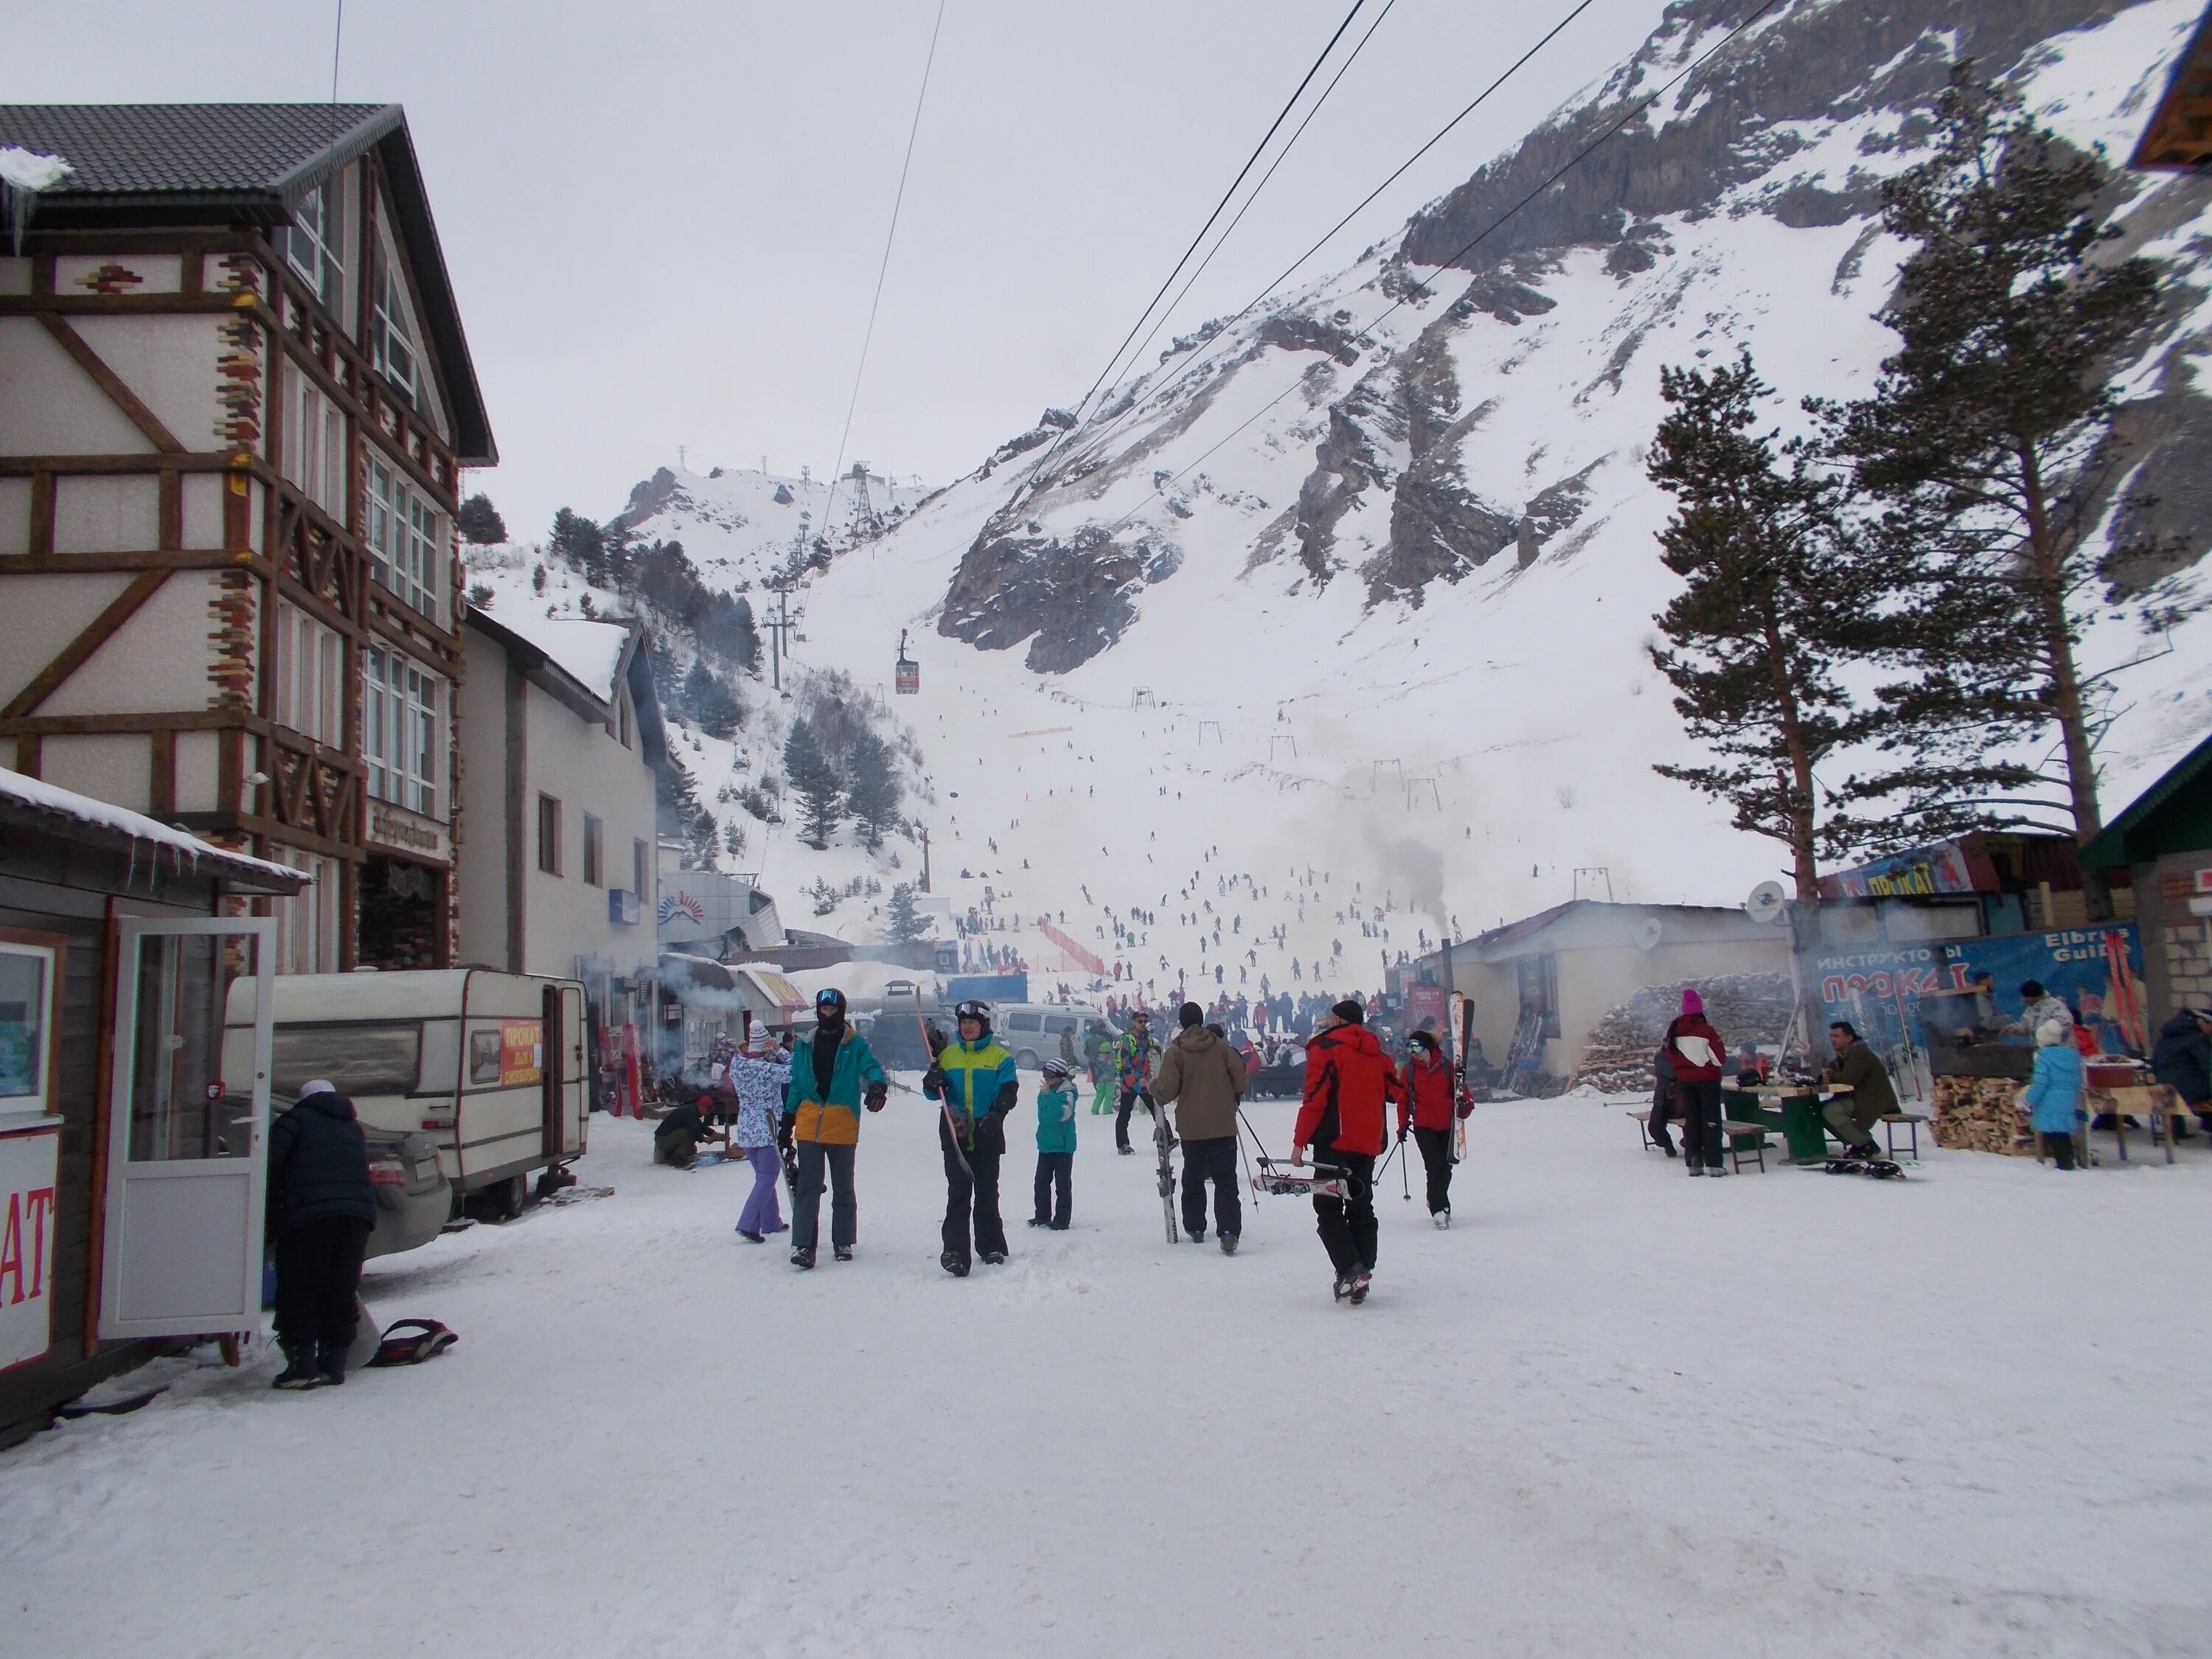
<point x="1362" y="581"/>
<point x="752" y="520"/>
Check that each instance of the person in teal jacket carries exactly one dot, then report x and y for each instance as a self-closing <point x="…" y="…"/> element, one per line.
<point x="975" y="1080"/>
<point x="1056" y="1136"/>
<point x="2053" y="1097"/>
<point x="833" y="1070"/>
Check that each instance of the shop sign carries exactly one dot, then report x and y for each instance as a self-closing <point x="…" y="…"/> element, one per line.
<point x="1922" y="873"/>
<point x="410" y="832"/>
<point x="28" y="1165"/>
<point x="521" y="1051"/>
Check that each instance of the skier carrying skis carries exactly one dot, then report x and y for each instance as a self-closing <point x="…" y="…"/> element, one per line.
<point x="832" y="1070"/>
<point x="1204" y="1077"/>
<point x="1350" y="1083"/>
<point x="974" y="1078"/>
<point x="1134" y="1060"/>
<point x="1427" y="1105"/>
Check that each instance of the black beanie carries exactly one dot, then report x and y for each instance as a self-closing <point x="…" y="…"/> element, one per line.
<point x="1190" y="1014"/>
<point x="1350" y="1012"/>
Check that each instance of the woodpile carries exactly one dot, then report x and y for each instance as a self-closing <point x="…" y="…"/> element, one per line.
<point x="1743" y="1008"/>
<point x="1980" y="1114"/>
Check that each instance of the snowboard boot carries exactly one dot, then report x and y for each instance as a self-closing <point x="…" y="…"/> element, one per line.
<point x="1228" y="1243"/>
<point x="1357" y="1293"/>
<point x="994" y="1258"/>
<point x="803" y="1256"/>
<point x="330" y="1363"/>
<point x="299" y="1370"/>
<point x="955" y="1265"/>
<point x="1342" y="1288"/>
<point x="844" y="1252"/>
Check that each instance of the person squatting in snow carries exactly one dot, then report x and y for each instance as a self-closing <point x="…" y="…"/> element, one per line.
<point x="1056" y="1143"/>
<point x="1203" y="1077"/>
<point x="974" y="1078"/>
<point x="1427" y="1105"/>
<point x="832" y="1070"/>
<point x="761" y="1075"/>
<point x="1350" y="1083"/>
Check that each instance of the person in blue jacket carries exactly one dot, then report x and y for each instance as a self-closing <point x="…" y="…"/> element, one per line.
<point x="2053" y="1097"/>
<point x="1055" y="1140"/>
<point x="834" y="1074"/>
<point x="974" y="1080"/>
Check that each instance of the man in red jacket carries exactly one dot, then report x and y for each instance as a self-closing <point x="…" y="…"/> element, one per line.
<point x="1350" y="1083"/>
<point x="1699" y="1054"/>
<point x="1427" y="1104"/>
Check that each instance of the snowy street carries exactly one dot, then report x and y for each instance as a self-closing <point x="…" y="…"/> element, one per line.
<point x="1612" y="1410"/>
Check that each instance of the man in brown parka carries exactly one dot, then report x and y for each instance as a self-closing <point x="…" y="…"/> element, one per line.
<point x="1204" y="1079"/>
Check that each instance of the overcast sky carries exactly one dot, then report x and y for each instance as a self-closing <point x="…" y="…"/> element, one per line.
<point x="663" y="221"/>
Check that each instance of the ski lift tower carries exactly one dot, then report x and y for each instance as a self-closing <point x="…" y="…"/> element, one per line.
<point x="864" y="511"/>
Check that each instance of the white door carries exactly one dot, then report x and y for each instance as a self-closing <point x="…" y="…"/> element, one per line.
<point x="182" y="1244"/>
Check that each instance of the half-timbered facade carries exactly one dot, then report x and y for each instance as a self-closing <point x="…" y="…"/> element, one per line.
<point x="235" y="400"/>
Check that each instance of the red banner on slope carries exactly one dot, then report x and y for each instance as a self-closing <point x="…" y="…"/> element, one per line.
<point x="1075" y="951"/>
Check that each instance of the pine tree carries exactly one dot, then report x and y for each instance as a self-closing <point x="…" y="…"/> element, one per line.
<point x="872" y="789"/>
<point x="1774" y="598"/>
<point x="816" y="782"/>
<point x="1989" y="441"/>
<point x="479" y="522"/>
<point x="576" y="539"/>
<point x="681" y="811"/>
<point x="712" y="706"/>
<point x="901" y="916"/>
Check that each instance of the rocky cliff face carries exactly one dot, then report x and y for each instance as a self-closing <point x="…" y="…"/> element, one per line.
<point x="1391" y="376"/>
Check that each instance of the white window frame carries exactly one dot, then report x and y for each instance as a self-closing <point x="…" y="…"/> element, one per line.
<point x="407" y="545"/>
<point x="310" y="676"/>
<point x="307" y="921"/>
<point x="315" y="452"/>
<point x="393" y="347"/>
<point x="403" y="730"/>
<point x="35" y="1105"/>
<point x="313" y="246"/>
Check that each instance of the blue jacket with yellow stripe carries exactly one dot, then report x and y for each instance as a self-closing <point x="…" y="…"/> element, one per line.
<point x="835" y="1121"/>
<point x="979" y="1079"/>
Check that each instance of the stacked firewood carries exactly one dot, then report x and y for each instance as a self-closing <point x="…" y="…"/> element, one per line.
<point x="1982" y="1114"/>
<point x="1743" y="1008"/>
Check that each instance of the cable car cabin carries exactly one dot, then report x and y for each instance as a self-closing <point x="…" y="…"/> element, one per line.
<point x="492" y="1064"/>
<point x="909" y="677"/>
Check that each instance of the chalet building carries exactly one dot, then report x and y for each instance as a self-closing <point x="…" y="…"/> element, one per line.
<point x="558" y="871"/>
<point x="235" y="401"/>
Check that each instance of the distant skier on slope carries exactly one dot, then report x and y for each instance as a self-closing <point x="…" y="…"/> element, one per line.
<point x="832" y="1071"/>
<point x="975" y="1079"/>
<point x="1350" y="1083"/>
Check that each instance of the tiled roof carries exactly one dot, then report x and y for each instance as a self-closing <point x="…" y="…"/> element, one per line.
<point x="193" y="149"/>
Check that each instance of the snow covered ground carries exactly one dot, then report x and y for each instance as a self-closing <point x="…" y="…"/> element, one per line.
<point x="1610" y="1411"/>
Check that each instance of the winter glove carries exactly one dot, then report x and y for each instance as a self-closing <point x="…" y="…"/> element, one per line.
<point x="786" y="1129"/>
<point x="1009" y="1096"/>
<point x="876" y="1093"/>
<point x="963" y="1127"/>
<point x="933" y="1081"/>
<point x="1402" y="1134"/>
<point x="991" y="1134"/>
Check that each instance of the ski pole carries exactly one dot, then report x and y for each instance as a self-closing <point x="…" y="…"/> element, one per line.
<point x="1405" y="1180"/>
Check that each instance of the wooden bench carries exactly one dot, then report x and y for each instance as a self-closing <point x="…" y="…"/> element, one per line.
<point x="1736" y="1132"/>
<point x="1912" y="1120"/>
<point x="1643" y="1127"/>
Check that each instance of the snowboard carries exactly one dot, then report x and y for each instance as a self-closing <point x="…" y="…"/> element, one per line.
<point x="1878" y="1169"/>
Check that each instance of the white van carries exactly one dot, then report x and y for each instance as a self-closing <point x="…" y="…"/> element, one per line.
<point x="490" y="1064"/>
<point x="1030" y="1031"/>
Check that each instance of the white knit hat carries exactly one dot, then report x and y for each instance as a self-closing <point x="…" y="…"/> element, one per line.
<point x="2053" y="1032"/>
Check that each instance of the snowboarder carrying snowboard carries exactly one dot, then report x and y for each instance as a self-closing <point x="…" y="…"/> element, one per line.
<point x="1350" y="1083"/>
<point x="1427" y="1105"/>
<point x="976" y="1080"/>
<point x="830" y="1071"/>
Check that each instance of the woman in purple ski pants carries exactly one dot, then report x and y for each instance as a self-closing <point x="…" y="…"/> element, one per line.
<point x="759" y="1075"/>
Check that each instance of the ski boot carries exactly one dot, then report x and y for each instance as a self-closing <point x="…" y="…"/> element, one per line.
<point x="844" y="1252"/>
<point x="1197" y="1237"/>
<point x="955" y="1265"/>
<point x="1228" y="1243"/>
<point x="994" y="1258"/>
<point x="803" y="1256"/>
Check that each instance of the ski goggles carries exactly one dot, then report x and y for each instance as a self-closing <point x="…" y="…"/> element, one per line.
<point x="972" y="1009"/>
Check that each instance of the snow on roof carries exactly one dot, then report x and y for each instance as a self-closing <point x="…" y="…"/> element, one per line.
<point x="40" y="796"/>
<point x="589" y="652"/>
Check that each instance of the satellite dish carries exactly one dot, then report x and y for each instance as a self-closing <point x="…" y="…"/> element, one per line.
<point x="1647" y="933"/>
<point x="1767" y="902"/>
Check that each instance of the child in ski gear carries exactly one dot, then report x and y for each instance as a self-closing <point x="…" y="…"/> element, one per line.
<point x="2053" y="1094"/>
<point x="832" y="1071"/>
<point x="1055" y="1144"/>
<point x="1134" y="1057"/>
<point x="1204" y="1077"/>
<point x="975" y="1081"/>
<point x="760" y="1075"/>
<point x="1350" y="1083"/>
<point x="1427" y="1105"/>
<point x="1697" y="1052"/>
<point x="1852" y="1116"/>
<point x="676" y="1137"/>
<point x="320" y="1211"/>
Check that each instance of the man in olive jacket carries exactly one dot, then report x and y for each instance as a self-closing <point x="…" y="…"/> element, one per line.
<point x="1858" y="1067"/>
<point x="1203" y="1077"/>
<point x="321" y="1208"/>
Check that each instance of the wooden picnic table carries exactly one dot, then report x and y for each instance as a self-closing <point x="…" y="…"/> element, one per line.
<point x="1796" y="1108"/>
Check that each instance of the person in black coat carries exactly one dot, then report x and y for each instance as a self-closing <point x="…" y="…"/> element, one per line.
<point x="2183" y="1059"/>
<point x="321" y="1210"/>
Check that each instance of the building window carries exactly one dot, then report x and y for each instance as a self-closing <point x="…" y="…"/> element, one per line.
<point x="314" y="246"/>
<point x="308" y="923"/>
<point x="392" y="327"/>
<point x="594" y="871"/>
<point x="406" y="540"/>
<point x="622" y="718"/>
<point x="548" y="834"/>
<point x="640" y="873"/>
<point x="314" y="444"/>
<point x="28" y="968"/>
<point x="310" y="676"/>
<point x="403" y="711"/>
<point x="1539" y="978"/>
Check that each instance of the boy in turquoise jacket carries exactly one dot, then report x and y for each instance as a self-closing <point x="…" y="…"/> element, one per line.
<point x="1056" y="1136"/>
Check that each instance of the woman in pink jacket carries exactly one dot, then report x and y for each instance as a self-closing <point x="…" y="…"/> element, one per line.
<point x="1698" y="1056"/>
